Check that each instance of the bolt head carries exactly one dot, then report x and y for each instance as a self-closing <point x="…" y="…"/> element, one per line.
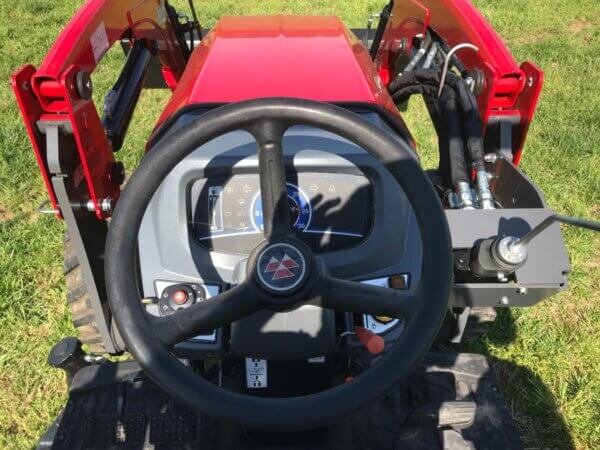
<point x="106" y="205"/>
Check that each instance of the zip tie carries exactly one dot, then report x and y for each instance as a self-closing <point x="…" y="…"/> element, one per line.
<point x="447" y="63"/>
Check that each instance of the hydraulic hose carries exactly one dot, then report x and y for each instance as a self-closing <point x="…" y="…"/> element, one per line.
<point x="446" y="116"/>
<point x="450" y="141"/>
<point x="459" y="127"/>
<point x="421" y="81"/>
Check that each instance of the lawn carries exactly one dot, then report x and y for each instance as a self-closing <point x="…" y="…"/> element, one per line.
<point x="547" y="358"/>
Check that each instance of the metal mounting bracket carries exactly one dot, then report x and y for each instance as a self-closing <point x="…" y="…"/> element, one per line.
<point x="85" y="230"/>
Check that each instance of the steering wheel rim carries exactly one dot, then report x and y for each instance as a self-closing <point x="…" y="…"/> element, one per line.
<point x="283" y="414"/>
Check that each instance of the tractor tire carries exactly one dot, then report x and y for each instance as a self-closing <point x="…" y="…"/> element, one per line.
<point x="79" y="301"/>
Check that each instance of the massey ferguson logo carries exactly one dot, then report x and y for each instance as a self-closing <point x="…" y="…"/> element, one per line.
<point x="281" y="269"/>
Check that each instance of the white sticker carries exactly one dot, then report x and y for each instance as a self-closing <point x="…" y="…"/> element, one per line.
<point x="256" y="373"/>
<point x="99" y="42"/>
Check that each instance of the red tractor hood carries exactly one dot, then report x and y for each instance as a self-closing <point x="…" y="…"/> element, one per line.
<point x="310" y="57"/>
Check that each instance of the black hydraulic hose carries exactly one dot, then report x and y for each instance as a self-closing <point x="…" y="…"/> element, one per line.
<point x="414" y="82"/>
<point x="456" y="149"/>
<point x="446" y="116"/>
<point x="445" y="162"/>
<point x="446" y="120"/>
<point x="472" y="118"/>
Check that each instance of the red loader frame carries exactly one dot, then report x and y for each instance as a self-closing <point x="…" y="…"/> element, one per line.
<point x="509" y="93"/>
<point x="58" y="91"/>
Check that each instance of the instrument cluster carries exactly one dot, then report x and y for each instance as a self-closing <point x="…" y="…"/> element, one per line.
<point x="327" y="211"/>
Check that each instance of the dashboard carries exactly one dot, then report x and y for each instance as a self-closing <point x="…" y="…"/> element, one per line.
<point x="206" y="218"/>
<point x="328" y="211"/>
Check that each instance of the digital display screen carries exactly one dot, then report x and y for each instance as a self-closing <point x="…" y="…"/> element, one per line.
<point x="327" y="211"/>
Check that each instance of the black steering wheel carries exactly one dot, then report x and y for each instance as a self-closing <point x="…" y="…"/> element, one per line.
<point x="149" y="338"/>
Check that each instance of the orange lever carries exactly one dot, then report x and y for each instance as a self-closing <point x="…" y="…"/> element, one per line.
<point x="372" y="341"/>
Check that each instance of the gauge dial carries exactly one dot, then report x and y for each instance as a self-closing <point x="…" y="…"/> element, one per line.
<point x="300" y="209"/>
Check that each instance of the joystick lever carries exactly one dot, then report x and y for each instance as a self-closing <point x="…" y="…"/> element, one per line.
<point x="501" y="256"/>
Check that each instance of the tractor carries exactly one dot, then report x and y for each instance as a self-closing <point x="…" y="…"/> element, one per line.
<point x="280" y="271"/>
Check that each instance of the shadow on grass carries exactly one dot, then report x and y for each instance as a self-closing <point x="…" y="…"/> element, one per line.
<point x="533" y="405"/>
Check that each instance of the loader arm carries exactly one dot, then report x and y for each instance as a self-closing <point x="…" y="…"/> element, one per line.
<point x="508" y="93"/>
<point x="60" y="90"/>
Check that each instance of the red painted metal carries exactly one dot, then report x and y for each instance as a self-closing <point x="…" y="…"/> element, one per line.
<point x="526" y="103"/>
<point x="251" y="57"/>
<point x="509" y="90"/>
<point x="311" y="57"/>
<point x="32" y="111"/>
<point x="50" y="93"/>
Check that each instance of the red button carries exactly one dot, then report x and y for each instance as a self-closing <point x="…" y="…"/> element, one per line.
<point x="180" y="297"/>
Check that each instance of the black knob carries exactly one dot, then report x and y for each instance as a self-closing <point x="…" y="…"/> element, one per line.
<point x="68" y="356"/>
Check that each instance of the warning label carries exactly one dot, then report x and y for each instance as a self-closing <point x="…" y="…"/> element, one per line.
<point x="99" y="42"/>
<point x="256" y="373"/>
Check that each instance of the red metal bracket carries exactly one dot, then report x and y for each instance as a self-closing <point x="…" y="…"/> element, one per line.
<point x="509" y="90"/>
<point x="51" y="92"/>
<point x="32" y="111"/>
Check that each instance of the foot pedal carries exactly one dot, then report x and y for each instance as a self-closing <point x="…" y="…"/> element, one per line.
<point x="104" y="431"/>
<point x="453" y="414"/>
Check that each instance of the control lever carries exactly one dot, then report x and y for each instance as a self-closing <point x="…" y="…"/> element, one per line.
<point x="583" y="223"/>
<point x="373" y="342"/>
<point x="68" y="356"/>
<point x="500" y="256"/>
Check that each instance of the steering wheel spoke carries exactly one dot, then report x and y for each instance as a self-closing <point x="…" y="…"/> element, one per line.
<point x="361" y="298"/>
<point x="223" y="309"/>
<point x="273" y="186"/>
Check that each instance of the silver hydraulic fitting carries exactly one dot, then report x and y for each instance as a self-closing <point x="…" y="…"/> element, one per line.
<point x="486" y="199"/>
<point x="465" y="197"/>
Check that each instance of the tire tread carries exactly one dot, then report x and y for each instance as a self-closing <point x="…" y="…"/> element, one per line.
<point x="79" y="301"/>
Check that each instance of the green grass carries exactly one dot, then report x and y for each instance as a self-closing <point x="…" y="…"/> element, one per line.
<point x="546" y="358"/>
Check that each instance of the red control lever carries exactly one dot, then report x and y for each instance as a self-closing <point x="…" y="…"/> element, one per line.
<point x="372" y="341"/>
